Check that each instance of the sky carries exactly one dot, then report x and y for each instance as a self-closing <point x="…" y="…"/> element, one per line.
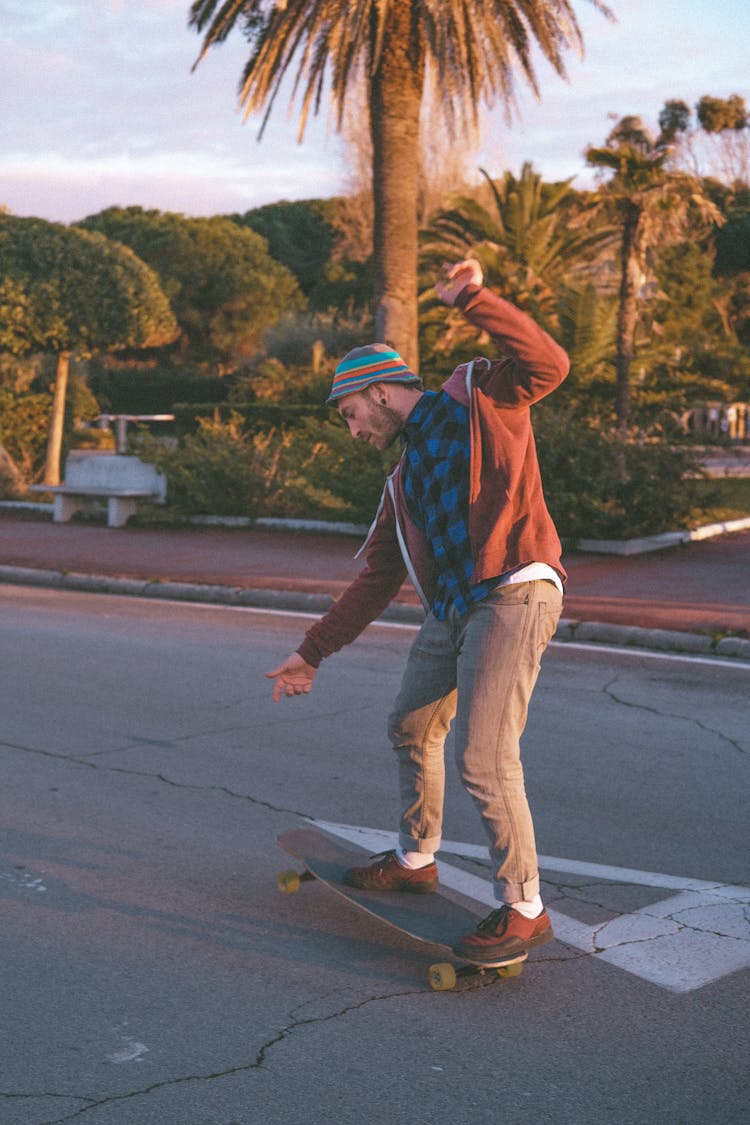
<point x="99" y="105"/>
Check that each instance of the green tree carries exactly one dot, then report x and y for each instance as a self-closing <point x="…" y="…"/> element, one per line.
<point x="299" y="236"/>
<point x="652" y="207"/>
<point x="530" y="236"/>
<point x="323" y="243"/>
<point x="687" y="348"/>
<point x="587" y="325"/>
<point x="715" y="141"/>
<point x="727" y="122"/>
<point x="733" y="244"/>
<point x="474" y="51"/>
<point x="223" y="285"/>
<point x="67" y="290"/>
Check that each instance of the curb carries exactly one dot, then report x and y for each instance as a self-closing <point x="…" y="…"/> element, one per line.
<point x="244" y="523"/>
<point x="582" y="632"/>
<point x="624" y="547"/>
<point x="661" y="542"/>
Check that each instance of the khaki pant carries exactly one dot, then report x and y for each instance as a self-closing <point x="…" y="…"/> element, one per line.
<point x="481" y="670"/>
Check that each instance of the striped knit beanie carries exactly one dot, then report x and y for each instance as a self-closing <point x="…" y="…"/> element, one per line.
<point x="374" y="363"/>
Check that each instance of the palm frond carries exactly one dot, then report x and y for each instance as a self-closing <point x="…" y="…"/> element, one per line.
<point x="476" y="51"/>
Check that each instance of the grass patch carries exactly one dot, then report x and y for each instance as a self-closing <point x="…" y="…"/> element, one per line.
<point x="722" y="498"/>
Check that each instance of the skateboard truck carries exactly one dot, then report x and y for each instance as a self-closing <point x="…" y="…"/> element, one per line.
<point x="442" y="977"/>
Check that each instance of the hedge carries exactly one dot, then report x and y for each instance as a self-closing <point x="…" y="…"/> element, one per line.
<point x="255" y="417"/>
<point x="300" y="462"/>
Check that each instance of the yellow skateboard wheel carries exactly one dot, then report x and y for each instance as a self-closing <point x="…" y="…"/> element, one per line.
<point x="514" y="970"/>
<point x="288" y="882"/>
<point x="442" y="977"/>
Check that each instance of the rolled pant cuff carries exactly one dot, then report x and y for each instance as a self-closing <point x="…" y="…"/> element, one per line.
<point x="517" y="892"/>
<point x="428" y="846"/>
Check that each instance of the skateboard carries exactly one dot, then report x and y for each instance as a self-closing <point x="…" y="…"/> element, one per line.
<point x="432" y="918"/>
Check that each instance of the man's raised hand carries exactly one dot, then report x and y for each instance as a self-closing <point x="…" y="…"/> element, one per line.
<point x="456" y="277"/>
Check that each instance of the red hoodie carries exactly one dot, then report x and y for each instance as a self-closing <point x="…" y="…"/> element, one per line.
<point x="509" y="525"/>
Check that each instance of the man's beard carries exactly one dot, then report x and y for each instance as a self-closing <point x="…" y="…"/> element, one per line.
<point x="383" y="424"/>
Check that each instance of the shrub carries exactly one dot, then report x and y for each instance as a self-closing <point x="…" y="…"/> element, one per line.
<point x="272" y="381"/>
<point x="214" y="471"/>
<point x="313" y="470"/>
<point x="294" y="338"/>
<point x="24" y="425"/>
<point x="588" y="494"/>
<point x="303" y="472"/>
<point x="352" y="471"/>
<point x="254" y="417"/>
<point x="94" y="438"/>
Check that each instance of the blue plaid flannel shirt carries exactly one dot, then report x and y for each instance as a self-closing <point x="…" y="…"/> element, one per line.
<point x="436" y="484"/>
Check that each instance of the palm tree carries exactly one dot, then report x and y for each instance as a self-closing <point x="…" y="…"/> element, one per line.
<point x="653" y="207"/>
<point x="532" y="238"/>
<point x="472" y="49"/>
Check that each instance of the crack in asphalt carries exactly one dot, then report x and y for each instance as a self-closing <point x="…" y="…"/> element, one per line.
<point x="607" y="690"/>
<point x="46" y="753"/>
<point x="136" y="740"/>
<point x="292" y="721"/>
<point x="46" y="1094"/>
<point x="72" y="760"/>
<point x="677" y="918"/>
<point x="257" y="1063"/>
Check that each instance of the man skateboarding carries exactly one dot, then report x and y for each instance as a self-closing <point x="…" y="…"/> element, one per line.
<point x="463" y="515"/>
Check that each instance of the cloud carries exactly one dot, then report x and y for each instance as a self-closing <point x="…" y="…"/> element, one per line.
<point x="100" y="105"/>
<point x="114" y="115"/>
<point x="654" y="52"/>
<point x="174" y="181"/>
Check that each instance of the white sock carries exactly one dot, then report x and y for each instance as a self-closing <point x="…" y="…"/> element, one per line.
<point x="414" y="860"/>
<point x="529" y="909"/>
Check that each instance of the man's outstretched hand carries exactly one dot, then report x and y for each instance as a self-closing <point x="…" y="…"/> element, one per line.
<point x="293" y="677"/>
<point x="457" y="277"/>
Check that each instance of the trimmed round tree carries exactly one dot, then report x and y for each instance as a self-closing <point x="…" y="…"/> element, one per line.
<point x="67" y="291"/>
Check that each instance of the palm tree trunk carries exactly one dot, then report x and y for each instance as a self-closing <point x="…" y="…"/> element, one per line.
<point x="395" y="99"/>
<point x="57" y="421"/>
<point x="627" y="317"/>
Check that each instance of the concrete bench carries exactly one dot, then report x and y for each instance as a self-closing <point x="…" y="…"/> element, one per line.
<point x="92" y="478"/>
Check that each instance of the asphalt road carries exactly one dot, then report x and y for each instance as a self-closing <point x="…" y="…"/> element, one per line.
<point x="152" y="974"/>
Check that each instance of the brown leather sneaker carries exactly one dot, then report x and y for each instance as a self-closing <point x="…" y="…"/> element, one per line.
<point x="387" y="874"/>
<point x="502" y="934"/>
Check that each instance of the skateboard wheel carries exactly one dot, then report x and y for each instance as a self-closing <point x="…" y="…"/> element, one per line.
<point x="442" y="977"/>
<point x="288" y="882"/>
<point x="510" y="970"/>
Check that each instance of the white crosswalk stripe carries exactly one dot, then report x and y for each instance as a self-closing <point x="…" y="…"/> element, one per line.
<point x="699" y="934"/>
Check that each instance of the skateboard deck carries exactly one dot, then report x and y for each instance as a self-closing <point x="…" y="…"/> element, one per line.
<point x="429" y="918"/>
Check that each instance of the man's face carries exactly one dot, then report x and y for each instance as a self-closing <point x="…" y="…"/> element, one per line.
<point x="369" y="419"/>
